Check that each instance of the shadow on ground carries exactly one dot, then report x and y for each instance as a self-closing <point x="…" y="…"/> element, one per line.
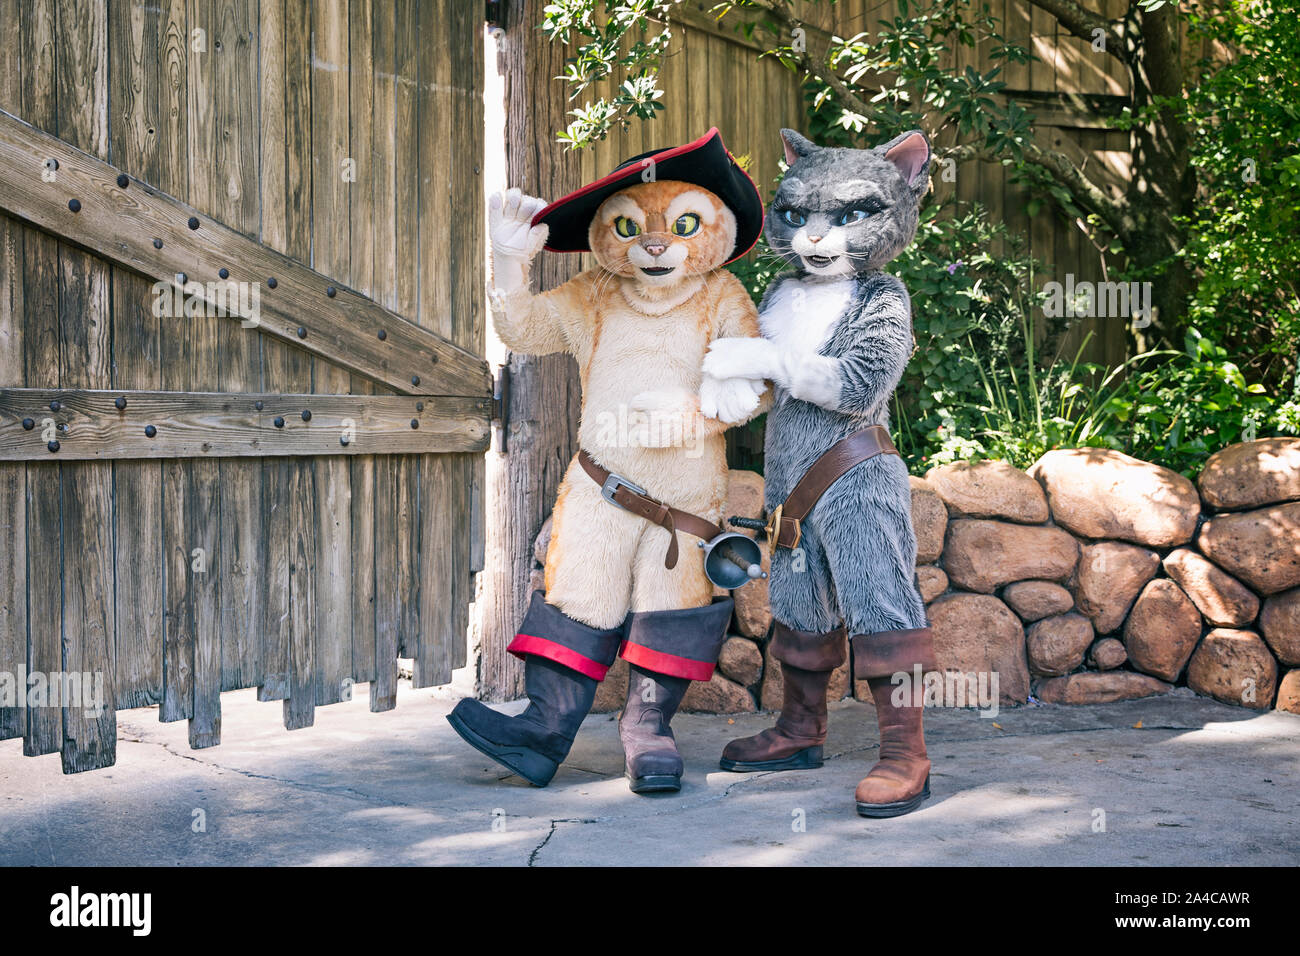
<point x="1198" y="783"/>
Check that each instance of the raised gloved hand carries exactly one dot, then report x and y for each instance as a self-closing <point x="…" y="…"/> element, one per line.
<point x="515" y="240"/>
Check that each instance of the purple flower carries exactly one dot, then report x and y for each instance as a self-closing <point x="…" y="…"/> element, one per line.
<point x="953" y="267"/>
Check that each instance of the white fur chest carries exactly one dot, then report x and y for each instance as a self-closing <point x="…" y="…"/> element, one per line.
<point x="800" y="315"/>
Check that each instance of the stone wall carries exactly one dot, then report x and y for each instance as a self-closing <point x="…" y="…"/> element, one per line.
<point x="1092" y="577"/>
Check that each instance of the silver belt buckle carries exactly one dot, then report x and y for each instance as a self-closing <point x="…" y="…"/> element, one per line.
<point x="612" y="484"/>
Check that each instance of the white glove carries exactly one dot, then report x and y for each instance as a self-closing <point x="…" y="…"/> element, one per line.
<point x="743" y="358"/>
<point x="730" y="400"/>
<point x="515" y="240"/>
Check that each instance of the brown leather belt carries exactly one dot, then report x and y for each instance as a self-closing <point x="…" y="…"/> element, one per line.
<point x="618" y="490"/>
<point x="783" y="528"/>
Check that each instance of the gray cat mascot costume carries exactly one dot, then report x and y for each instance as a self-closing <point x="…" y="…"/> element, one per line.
<point x="837" y="333"/>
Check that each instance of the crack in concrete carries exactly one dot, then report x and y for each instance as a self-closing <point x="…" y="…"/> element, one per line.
<point x="532" y="857"/>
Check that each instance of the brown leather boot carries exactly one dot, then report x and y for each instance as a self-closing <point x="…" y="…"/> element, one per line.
<point x="900" y="781"/>
<point x="795" y="743"/>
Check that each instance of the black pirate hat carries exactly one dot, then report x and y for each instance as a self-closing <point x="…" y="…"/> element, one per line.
<point x="704" y="162"/>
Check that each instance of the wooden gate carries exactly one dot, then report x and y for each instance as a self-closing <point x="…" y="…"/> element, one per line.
<point x="242" y="395"/>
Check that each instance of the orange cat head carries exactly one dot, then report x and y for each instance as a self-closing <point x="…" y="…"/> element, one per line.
<point x="662" y="232"/>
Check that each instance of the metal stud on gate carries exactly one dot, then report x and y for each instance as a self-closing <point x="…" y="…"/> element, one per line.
<point x="415" y="380"/>
<point x="302" y="332"/>
<point x="28" y="424"/>
<point x="194" y="222"/>
<point x="330" y="291"/>
<point x="53" y="446"/>
<point x="157" y="243"/>
<point x="279" y="422"/>
<point x="271" y="283"/>
<point x="257" y="405"/>
<point x="382" y="335"/>
<point x="122" y="180"/>
<point x="419" y="406"/>
<point x="55" y="406"/>
<point x="150" y="430"/>
<point x="74" y="205"/>
<point x="306" y="414"/>
<point x="415" y="423"/>
<point x="120" y="402"/>
<point x="223" y="273"/>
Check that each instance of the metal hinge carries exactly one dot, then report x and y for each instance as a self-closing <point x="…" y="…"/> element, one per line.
<point x="501" y="403"/>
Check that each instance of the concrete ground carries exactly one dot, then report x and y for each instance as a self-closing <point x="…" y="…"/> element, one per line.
<point x="1196" y="783"/>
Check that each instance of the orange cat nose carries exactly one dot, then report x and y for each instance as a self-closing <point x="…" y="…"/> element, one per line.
<point x="654" y="248"/>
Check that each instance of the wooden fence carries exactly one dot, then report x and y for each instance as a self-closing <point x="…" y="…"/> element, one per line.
<point x="194" y="503"/>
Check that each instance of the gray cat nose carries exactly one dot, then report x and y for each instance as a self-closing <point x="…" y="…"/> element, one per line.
<point x="814" y="238"/>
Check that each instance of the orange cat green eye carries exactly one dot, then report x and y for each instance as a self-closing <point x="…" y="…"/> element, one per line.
<point x="627" y="228"/>
<point x="686" y="225"/>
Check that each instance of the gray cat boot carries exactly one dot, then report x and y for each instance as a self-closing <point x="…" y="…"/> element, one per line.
<point x="564" y="660"/>
<point x="795" y="743"/>
<point x="665" y="651"/>
<point x="900" y="780"/>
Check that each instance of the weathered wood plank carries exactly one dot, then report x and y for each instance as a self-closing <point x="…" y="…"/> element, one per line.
<point x="331" y="254"/>
<point x="361" y="92"/>
<point x="343" y="329"/>
<point x="172" y="125"/>
<point x="439" y="500"/>
<point x="234" y="200"/>
<point x="205" y="94"/>
<point x="13" y="478"/>
<point x="276" y="367"/>
<point x="194" y="424"/>
<point x="89" y="733"/>
<point x="299" y="706"/>
<point x="134" y="95"/>
<point x="389" y="469"/>
<point x="466" y="282"/>
<point x="407" y="169"/>
<point x="44" y="732"/>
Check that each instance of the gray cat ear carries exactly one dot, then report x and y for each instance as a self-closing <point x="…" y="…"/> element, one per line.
<point x="795" y="145"/>
<point x="910" y="153"/>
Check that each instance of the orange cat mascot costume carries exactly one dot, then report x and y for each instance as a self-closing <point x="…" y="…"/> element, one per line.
<point x="624" y="573"/>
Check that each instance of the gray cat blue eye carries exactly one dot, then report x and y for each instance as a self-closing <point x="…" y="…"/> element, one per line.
<point x="853" y="215"/>
<point x="793" y="217"/>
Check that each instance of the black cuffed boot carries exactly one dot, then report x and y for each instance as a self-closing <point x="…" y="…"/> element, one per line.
<point x="564" y="660"/>
<point x="665" y="651"/>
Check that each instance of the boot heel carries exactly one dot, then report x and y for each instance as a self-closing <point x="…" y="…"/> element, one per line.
<point x="534" y="767"/>
<point x="810" y="758"/>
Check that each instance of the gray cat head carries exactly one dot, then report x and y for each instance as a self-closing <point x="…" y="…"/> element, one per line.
<point x="843" y="211"/>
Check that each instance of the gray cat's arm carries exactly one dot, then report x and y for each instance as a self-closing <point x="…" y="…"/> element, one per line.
<point x="871" y="343"/>
<point x="874" y="345"/>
